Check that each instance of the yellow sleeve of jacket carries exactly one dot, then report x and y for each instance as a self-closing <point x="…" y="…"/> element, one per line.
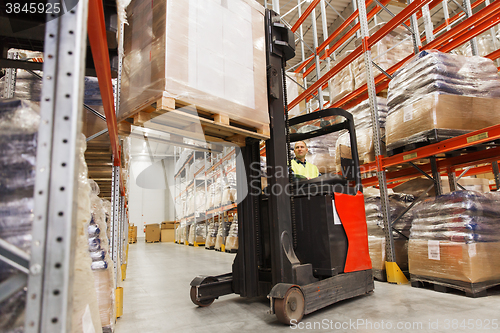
<point x="308" y="171"/>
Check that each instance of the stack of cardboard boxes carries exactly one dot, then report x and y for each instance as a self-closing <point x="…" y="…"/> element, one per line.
<point x="132" y="234"/>
<point x="168" y="231"/>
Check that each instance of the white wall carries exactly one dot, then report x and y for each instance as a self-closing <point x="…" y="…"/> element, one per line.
<point x="153" y="204"/>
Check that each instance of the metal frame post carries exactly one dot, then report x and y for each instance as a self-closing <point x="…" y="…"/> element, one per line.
<point x="436" y="176"/>
<point x="452" y="180"/>
<point x="10" y="77"/>
<point x="496" y="172"/>
<point x="316" y="57"/>
<point x="325" y="36"/>
<point x="389" y="240"/>
<point x="50" y="285"/>
<point x="446" y="14"/>
<point x="428" y="26"/>
<point x="115" y="213"/>
<point x="415" y="36"/>
<point x="473" y="41"/>
<point x="276" y="6"/>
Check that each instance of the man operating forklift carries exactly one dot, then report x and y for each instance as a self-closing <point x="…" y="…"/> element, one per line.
<point x="300" y="167"/>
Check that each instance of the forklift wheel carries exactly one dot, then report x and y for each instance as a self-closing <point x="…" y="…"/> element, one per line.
<point x="204" y="303"/>
<point x="291" y="307"/>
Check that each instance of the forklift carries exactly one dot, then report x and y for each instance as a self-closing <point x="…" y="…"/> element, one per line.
<point x="304" y="247"/>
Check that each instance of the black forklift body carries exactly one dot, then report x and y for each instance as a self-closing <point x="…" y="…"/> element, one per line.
<point x="304" y="247"/>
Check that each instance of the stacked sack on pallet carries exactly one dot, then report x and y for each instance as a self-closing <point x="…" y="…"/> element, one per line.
<point x="102" y="264"/>
<point x="364" y="133"/>
<point x="84" y="290"/>
<point x="342" y="83"/>
<point x="213" y="228"/>
<point x="455" y="237"/>
<point x="232" y="236"/>
<point x="485" y="45"/>
<point x="438" y="91"/>
<point x="197" y="233"/>
<point x="18" y="143"/>
<point x="376" y="234"/>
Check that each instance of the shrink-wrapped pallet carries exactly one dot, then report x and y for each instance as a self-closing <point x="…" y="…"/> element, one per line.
<point x="364" y="133"/>
<point x="391" y="49"/>
<point x="232" y="237"/>
<point x="85" y="303"/>
<point x="294" y="87"/>
<point x="441" y="92"/>
<point x="213" y="227"/>
<point x="342" y="83"/>
<point x="18" y="144"/>
<point x="456" y="237"/>
<point x="207" y="53"/>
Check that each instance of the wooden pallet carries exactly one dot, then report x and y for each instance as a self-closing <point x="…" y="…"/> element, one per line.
<point x="473" y="290"/>
<point x="153" y="242"/>
<point x="379" y="275"/>
<point x="232" y="251"/>
<point x="182" y="120"/>
<point x="132" y="241"/>
<point x="210" y="247"/>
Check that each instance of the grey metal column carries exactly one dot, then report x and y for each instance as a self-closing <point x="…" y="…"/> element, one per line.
<point x="50" y="285"/>
<point x="10" y="77"/>
<point x="325" y="35"/>
<point x="301" y="34"/>
<point x="429" y="28"/>
<point x="446" y="14"/>
<point x="415" y="35"/>
<point x="494" y="166"/>
<point x="493" y="33"/>
<point x="384" y="200"/>
<point x="436" y="176"/>
<point x="115" y="215"/>
<point x="276" y="6"/>
<point x="356" y="20"/>
<point x="473" y="41"/>
<point x="452" y="180"/>
<point x="316" y="57"/>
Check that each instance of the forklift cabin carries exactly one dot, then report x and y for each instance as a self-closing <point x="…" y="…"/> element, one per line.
<point x="305" y="245"/>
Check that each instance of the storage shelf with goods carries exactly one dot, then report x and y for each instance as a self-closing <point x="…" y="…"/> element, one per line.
<point x="371" y="60"/>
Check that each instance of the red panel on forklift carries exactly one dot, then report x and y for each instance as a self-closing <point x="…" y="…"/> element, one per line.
<point x="351" y="211"/>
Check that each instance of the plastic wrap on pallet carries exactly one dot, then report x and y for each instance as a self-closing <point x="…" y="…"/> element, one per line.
<point x="485" y="46"/>
<point x="84" y="292"/>
<point x="436" y="90"/>
<point x="206" y="53"/>
<point x="200" y="200"/>
<point x="342" y="83"/>
<point x="460" y="216"/>
<point x="18" y="143"/>
<point x="364" y="133"/>
<point x="211" y="235"/>
<point x="376" y="236"/>
<point x="232" y="237"/>
<point x="456" y="237"/>
<point x="222" y="233"/>
<point x="391" y="49"/>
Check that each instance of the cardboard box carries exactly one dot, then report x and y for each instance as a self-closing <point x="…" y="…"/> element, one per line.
<point x="476" y="262"/>
<point x="168" y="235"/>
<point x="152" y="233"/>
<point x="470" y="184"/>
<point x="437" y="111"/>
<point x="168" y="225"/>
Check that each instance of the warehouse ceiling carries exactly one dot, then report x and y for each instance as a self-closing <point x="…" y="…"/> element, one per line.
<point x="336" y="11"/>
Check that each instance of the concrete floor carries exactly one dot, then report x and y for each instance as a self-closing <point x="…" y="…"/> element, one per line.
<point x="156" y="299"/>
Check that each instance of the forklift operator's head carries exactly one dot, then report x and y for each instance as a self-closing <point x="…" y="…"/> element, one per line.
<point x="300" y="150"/>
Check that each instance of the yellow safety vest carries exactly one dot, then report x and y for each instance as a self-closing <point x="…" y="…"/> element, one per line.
<point x="309" y="170"/>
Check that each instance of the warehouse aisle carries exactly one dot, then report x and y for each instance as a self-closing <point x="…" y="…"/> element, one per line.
<point x="156" y="299"/>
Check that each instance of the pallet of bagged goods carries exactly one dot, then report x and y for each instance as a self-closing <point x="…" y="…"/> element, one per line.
<point x="436" y="96"/>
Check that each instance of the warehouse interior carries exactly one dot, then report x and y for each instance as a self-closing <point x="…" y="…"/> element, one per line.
<point x="148" y="152"/>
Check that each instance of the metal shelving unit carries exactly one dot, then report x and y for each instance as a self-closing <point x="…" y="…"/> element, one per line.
<point x="461" y="28"/>
<point x="50" y="265"/>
